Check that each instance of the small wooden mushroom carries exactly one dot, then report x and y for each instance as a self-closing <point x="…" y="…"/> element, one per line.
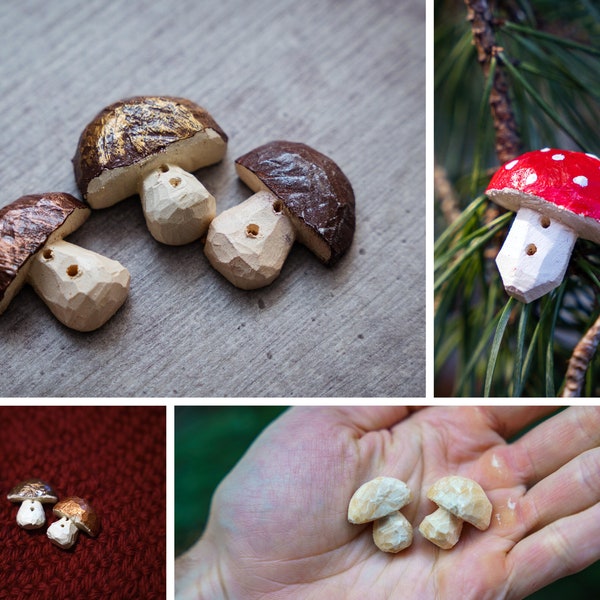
<point x="301" y="195"/>
<point x="32" y="494"/>
<point x="82" y="288"/>
<point x="148" y="145"/>
<point x="459" y="499"/>
<point x="379" y="501"/>
<point x="556" y="195"/>
<point x="75" y="513"/>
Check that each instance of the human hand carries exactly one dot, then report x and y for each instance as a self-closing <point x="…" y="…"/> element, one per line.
<point x="278" y="527"/>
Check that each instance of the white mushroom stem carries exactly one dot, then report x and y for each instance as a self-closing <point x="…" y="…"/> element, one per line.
<point x="441" y="528"/>
<point x="249" y="243"/>
<point x="82" y="288"/>
<point x="63" y="532"/>
<point x="535" y="255"/>
<point x="31" y="514"/>
<point x="177" y="207"/>
<point x="392" y="533"/>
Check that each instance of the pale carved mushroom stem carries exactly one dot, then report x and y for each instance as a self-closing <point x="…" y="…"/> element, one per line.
<point x="83" y="289"/>
<point x="63" y="533"/>
<point x="248" y="244"/>
<point x="441" y="528"/>
<point x="177" y="207"/>
<point x="535" y="255"/>
<point x="31" y="514"/>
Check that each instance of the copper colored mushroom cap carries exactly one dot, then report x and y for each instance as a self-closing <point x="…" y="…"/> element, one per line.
<point x="315" y="193"/>
<point x="28" y="224"/>
<point x="133" y="131"/>
<point x="33" y="489"/>
<point x="80" y="512"/>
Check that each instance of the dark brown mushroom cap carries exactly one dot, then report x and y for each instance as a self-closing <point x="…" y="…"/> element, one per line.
<point x="33" y="489"/>
<point x="134" y="129"/>
<point x="316" y="194"/>
<point x="26" y="225"/>
<point x="80" y="512"/>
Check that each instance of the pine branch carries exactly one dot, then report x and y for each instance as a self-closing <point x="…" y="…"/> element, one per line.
<point x="580" y="359"/>
<point x="508" y="141"/>
<point x="447" y="197"/>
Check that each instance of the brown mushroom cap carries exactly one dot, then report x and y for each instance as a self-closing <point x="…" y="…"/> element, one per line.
<point x="315" y="193"/>
<point x="143" y="132"/>
<point x="28" y="224"/>
<point x="80" y="512"/>
<point x="33" y="489"/>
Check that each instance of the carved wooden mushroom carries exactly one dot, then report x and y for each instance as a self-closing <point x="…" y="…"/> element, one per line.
<point x="459" y="499"/>
<point x="556" y="195"/>
<point x="32" y="494"/>
<point x="75" y="513"/>
<point x="148" y="145"/>
<point x="301" y="195"/>
<point x="380" y="501"/>
<point x="82" y="288"/>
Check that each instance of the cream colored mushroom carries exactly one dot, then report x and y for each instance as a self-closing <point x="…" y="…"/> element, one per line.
<point x="148" y="145"/>
<point x="379" y="501"/>
<point x="459" y="499"/>
<point x="83" y="289"/>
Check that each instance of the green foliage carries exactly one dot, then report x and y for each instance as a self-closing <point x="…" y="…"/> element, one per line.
<point x="485" y="343"/>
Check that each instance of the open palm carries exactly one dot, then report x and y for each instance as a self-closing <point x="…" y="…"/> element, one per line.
<point x="278" y="527"/>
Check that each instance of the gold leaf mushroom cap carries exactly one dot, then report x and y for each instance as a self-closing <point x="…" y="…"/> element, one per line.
<point x="316" y="194"/>
<point x="464" y="498"/>
<point x="33" y="489"/>
<point x="143" y="132"/>
<point x="28" y="224"/>
<point x="80" y="512"/>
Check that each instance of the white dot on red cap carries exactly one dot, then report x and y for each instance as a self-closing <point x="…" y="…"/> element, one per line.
<point x="581" y="180"/>
<point x="531" y="178"/>
<point x="545" y="150"/>
<point x="510" y="165"/>
<point x="558" y="157"/>
<point x="592" y="156"/>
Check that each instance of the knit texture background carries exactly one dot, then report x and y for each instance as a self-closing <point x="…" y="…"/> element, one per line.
<point x="114" y="457"/>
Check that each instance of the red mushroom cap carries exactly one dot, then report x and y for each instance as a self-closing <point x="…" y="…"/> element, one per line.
<point x="561" y="184"/>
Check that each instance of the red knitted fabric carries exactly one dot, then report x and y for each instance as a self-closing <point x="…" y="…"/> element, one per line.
<point x="114" y="457"/>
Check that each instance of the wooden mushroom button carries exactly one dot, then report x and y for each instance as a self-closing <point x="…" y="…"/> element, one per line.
<point x="301" y="195"/>
<point x="32" y="494"/>
<point x="459" y="499"/>
<point x="75" y="514"/>
<point x="556" y="195"/>
<point x="81" y="288"/>
<point x="148" y="145"/>
<point x="379" y="501"/>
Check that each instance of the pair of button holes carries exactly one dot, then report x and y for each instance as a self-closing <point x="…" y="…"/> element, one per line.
<point x="531" y="249"/>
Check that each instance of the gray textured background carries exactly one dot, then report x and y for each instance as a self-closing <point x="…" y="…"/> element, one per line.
<point x="346" y="77"/>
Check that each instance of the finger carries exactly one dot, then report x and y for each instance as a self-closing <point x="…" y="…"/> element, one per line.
<point x="553" y="443"/>
<point x="559" y="549"/>
<point x="369" y="418"/>
<point x="572" y="489"/>
<point x="511" y="420"/>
